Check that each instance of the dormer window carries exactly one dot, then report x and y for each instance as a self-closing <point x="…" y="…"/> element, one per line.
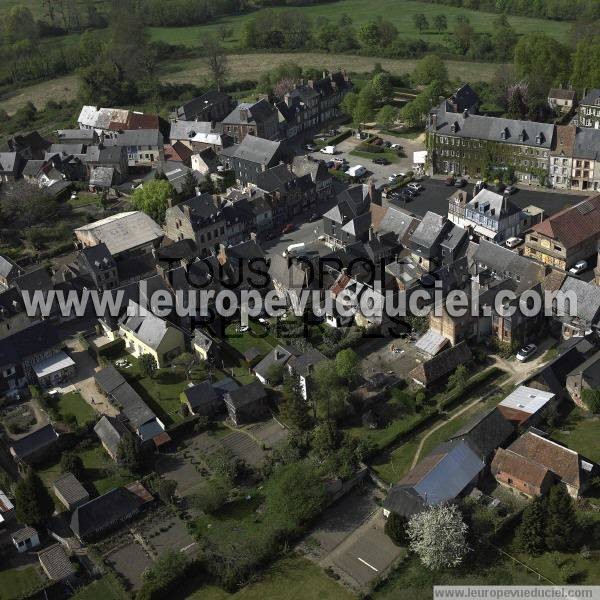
<point x="522" y="136"/>
<point x="539" y="139"/>
<point x="504" y="133"/>
<point x="454" y="127"/>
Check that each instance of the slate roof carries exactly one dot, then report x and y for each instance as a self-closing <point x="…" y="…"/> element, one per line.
<point x="278" y="177"/>
<point x="588" y="300"/>
<point x="200" y="395"/>
<point x="148" y="328"/>
<point x="521" y="133"/>
<point x="225" y="385"/>
<point x="429" y="230"/>
<point x="279" y="355"/>
<point x="254" y="149"/>
<point x="442" y="364"/>
<point x="486" y="432"/>
<point x="137" y="137"/>
<point x="303" y="364"/>
<point x="9" y="162"/>
<point x="33" y="167"/>
<point x="110" y="431"/>
<point x="591" y="98"/>
<point x="80" y="135"/>
<point x="101" y="512"/>
<point x="27" y="342"/>
<point x="574" y="224"/>
<point x="56" y="563"/>
<point x="247" y="394"/>
<point x="562" y="94"/>
<point x="403" y="500"/>
<point x="257" y="112"/>
<point x="123" y="231"/>
<point x="33" y="442"/>
<point x="587" y="143"/>
<point x="305" y="165"/>
<point x="102" y="176"/>
<point x="69" y="488"/>
<point x="35" y="280"/>
<point x="190" y="130"/>
<point x="464" y="97"/>
<point x="8" y="267"/>
<point x="196" y="105"/>
<point x="589" y="371"/>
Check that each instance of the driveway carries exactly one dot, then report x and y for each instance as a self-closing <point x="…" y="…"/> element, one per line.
<point x="378" y="356"/>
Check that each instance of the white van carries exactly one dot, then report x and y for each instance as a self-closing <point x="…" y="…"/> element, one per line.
<point x="356" y="171"/>
<point x="328" y="150"/>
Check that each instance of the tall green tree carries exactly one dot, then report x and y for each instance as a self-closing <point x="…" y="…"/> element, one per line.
<point x="395" y="529"/>
<point x="153" y="198"/>
<point x="420" y="21"/>
<point x="531" y="532"/>
<point x="386" y="116"/>
<point x="346" y="364"/>
<point x="34" y="505"/>
<point x="382" y="86"/>
<point x="19" y="25"/>
<point x="561" y="522"/>
<point x="215" y="59"/>
<point x="440" y="22"/>
<point x="365" y="105"/>
<point x="430" y="68"/>
<point x="293" y="408"/>
<point x="129" y="453"/>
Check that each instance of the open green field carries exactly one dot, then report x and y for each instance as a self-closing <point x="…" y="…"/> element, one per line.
<point x="105" y="588"/>
<point x="18" y="583"/>
<point x="399" y="12"/>
<point x="292" y="578"/>
<point x="247" y="66"/>
<point x="580" y="433"/>
<point x="73" y="404"/>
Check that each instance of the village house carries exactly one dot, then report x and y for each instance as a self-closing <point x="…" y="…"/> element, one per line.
<point x="25" y="539"/>
<point x="588" y="113"/>
<point x="202" y="399"/>
<point x="125" y="234"/>
<point x="69" y="491"/>
<point x="198" y="136"/>
<point x="250" y="157"/>
<point x="586" y="317"/>
<point x="562" y="101"/>
<point x="11" y="166"/>
<point x="526" y="406"/>
<point x="108" y="511"/>
<point x="144" y="147"/>
<point x="247" y="403"/>
<point x="561" y="156"/>
<point x="110" y="432"/>
<point x="34" y="447"/>
<point x="533" y="462"/>
<point x="431" y="371"/>
<point x="567" y="236"/>
<point x="13" y="316"/>
<point x="319" y="174"/>
<point x="149" y="334"/>
<point x="9" y="270"/>
<point x="257" y="119"/>
<point x="585" y="169"/>
<point x="465" y="98"/>
<point x="211" y="106"/>
<point x="56" y="564"/>
<point x="584" y="377"/>
<point x="491" y="216"/>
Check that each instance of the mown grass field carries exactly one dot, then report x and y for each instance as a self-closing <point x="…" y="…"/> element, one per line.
<point x="291" y="578"/>
<point x="399" y="12"/>
<point x="18" y="583"/>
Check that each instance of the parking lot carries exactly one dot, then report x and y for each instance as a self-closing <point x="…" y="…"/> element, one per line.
<point x="130" y="562"/>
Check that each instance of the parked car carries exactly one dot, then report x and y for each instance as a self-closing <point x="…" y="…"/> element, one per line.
<point x="328" y="150"/>
<point x="396" y="147"/>
<point x="356" y="171"/>
<point x="333" y="132"/>
<point x="510" y="190"/>
<point x="578" y="267"/>
<point x="310" y="147"/>
<point x="392" y="178"/>
<point x="381" y="161"/>
<point x="460" y="182"/>
<point x="513" y="242"/>
<point x="526" y="352"/>
<point x="287" y="229"/>
<point x="449" y="180"/>
<point x="417" y="187"/>
<point x="314" y="217"/>
<point x="409" y="191"/>
<point x="387" y="144"/>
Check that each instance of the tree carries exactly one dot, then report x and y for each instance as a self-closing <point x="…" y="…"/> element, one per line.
<point x="382" y="86"/>
<point x="560" y="519"/>
<point x="188" y="186"/>
<point x="440" y="22"/>
<point x="129" y="453"/>
<point x="295" y="494"/>
<point x="368" y="34"/>
<point x="420" y="21"/>
<point x="458" y="379"/>
<point x="147" y="365"/>
<point x="72" y="463"/>
<point x="34" y="505"/>
<point x="463" y="36"/>
<point x="346" y="363"/>
<point x="530" y="534"/>
<point x="166" y="490"/>
<point x="212" y="495"/>
<point x="591" y="398"/>
<point x="387" y="32"/>
<point x="504" y="38"/>
<point x="348" y="103"/>
<point x="386" y="116"/>
<point x="153" y="198"/>
<point x="430" y="68"/>
<point x="438" y="536"/>
<point x="293" y="409"/>
<point x="19" y="25"/>
<point x="542" y="61"/>
<point x="517" y="96"/>
<point x="395" y="529"/>
<point x="215" y="60"/>
<point x="364" y="105"/>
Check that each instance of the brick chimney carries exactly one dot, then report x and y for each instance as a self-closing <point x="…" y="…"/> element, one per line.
<point x="186" y="210"/>
<point x="244" y="115"/>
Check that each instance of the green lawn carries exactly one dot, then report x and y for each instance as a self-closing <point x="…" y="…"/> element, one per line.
<point x="399" y="12"/>
<point x="292" y="578"/>
<point x="106" y="588"/>
<point x="83" y="199"/>
<point x="255" y="338"/>
<point x="73" y="404"/>
<point x="580" y="433"/>
<point x="101" y="472"/>
<point x="18" y="583"/>
<point x="391" y="156"/>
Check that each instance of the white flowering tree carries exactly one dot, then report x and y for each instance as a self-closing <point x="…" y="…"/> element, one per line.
<point x="438" y="536"/>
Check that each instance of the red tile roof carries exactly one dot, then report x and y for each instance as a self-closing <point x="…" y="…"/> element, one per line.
<point x="178" y="152"/>
<point x="136" y="120"/>
<point x="573" y="225"/>
<point x="519" y="467"/>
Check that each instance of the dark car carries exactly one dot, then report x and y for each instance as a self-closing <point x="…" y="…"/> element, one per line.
<point x="381" y="161"/>
<point x="408" y="192"/>
<point x="460" y="182"/>
<point x="287" y="229"/>
<point x="314" y="217"/>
